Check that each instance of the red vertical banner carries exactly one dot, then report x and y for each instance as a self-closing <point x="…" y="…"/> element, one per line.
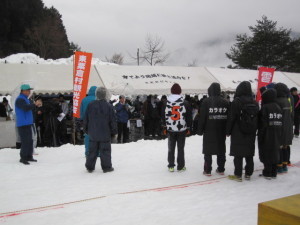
<point x="265" y="77"/>
<point x="82" y="68"/>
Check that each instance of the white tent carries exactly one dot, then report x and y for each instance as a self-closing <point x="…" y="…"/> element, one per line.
<point x="140" y="80"/>
<point x="46" y="78"/>
<point x="132" y="80"/>
<point x="230" y="78"/>
<point x="294" y="77"/>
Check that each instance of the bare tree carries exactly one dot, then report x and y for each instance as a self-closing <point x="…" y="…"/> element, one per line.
<point x="116" y="58"/>
<point x="153" y="51"/>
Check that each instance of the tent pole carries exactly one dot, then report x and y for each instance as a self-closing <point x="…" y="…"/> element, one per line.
<point x="73" y="120"/>
<point x="99" y="75"/>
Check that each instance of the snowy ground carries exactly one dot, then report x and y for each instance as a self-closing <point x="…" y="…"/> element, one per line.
<point x="158" y="197"/>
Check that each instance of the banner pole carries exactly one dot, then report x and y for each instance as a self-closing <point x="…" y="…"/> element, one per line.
<point x="73" y="120"/>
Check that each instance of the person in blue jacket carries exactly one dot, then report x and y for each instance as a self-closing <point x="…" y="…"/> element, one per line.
<point x="84" y="104"/>
<point x="24" y="123"/>
<point x="122" y="119"/>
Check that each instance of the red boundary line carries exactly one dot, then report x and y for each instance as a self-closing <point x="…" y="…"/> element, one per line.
<point x="172" y="187"/>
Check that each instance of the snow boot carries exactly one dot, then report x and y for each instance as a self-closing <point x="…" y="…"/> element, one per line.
<point x="247" y="177"/>
<point x="235" y="178"/>
<point x="32" y="160"/>
<point x="108" y="170"/>
<point x="171" y="169"/>
<point x="208" y="174"/>
<point x="90" y="171"/>
<point x="279" y="169"/>
<point x="266" y="177"/>
<point x="285" y="168"/>
<point x="220" y="173"/>
<point x="25" y="162"/>
<point x="182" y="170"/>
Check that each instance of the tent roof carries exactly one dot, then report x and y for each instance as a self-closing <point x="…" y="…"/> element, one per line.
<point x="44" y="78"/>
<point x="139" y="80"/>
<point x="132" y="80"/>
<point x="230" y="78"/>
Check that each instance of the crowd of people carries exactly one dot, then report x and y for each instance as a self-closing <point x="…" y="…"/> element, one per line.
<point x="5" y="110"/>
<point x="175" y="117"/>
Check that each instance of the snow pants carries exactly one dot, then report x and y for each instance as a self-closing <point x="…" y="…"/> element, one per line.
<point x="123" y="133"/>
<point x="179" y="139"/>
<point x="238" y="165"/>
<point x="86" y="144"/>
<point x="270" y="170"/>
<point x="221" y="159"/>
<point x="296" y="123"/>
<point x="26" y="136"/>
<point x="96" y="148"/>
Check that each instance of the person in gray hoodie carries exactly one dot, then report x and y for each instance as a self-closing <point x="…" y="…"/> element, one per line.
<point x="100" y="124"/>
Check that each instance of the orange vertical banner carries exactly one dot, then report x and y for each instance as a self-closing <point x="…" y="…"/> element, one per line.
<point x="82" y="68"/>
<point x="265" y="77"/>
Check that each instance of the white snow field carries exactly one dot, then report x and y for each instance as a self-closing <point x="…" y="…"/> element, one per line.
<point x="58" y="189"/>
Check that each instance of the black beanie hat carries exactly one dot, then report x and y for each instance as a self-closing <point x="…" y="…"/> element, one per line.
<point x="176" y="89"/>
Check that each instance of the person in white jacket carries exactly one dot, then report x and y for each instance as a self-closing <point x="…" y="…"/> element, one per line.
<point x="177" y="123"/>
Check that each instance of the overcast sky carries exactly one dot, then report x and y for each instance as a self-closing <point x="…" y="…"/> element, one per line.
<point x="201" y="30"/>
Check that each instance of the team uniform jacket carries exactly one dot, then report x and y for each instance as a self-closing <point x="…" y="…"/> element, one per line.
<point x="178" y="114"/>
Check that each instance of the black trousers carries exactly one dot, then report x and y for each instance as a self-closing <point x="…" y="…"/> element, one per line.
<point x="179" y="139"/>
<point x="123" y="133"/>
<point x="155" y="127"/>
<point x="105" y="155"/>
<point x="221" y="159"/>
<point x="284" y="155"/>
<point x="238" y="164"/>
<point x="296" y="123"/>
<point x="270" y="170"/>
<point x="26" y="137"/>
<point x="288" y="154"/>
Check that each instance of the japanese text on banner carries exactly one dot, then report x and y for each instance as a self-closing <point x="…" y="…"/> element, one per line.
<point x="82" y="67"/>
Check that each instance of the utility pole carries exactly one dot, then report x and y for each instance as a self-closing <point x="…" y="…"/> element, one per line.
<point x="138" y="56"/>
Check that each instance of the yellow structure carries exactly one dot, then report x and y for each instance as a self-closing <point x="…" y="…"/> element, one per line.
<point x="283" y="211"/>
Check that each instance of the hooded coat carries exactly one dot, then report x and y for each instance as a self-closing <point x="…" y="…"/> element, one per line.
<point x="212" y="121"/>
<point x="87" y="100"/>
<point x="242" y="145"/>
<point x="100" y="119"/>
<point x="287" y="113"/>
<point x="270" y="128"/>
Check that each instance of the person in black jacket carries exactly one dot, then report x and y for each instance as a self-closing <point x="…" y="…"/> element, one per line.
<point x="269" y="133"/>
<point x="296" y="97"/>
<point x="3" y="112"/>
<point x="212" y="125"/>
<point x="100" y="124"/>
<point x="286" y="105"/>
<point x="242" y="140"/>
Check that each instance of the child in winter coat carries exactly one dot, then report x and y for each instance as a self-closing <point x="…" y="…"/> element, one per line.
<point x="178" y="121"/>
<point x="242" y="127"/>
<point x="212" y="125"/>
<point x="269" y="133"/>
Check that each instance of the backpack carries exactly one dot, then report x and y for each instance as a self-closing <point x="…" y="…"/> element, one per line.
<point x="248" y="118"/>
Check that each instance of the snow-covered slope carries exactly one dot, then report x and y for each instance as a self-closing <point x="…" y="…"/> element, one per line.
<point x="140" y="191"/>
<point x="30" y="58"/>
